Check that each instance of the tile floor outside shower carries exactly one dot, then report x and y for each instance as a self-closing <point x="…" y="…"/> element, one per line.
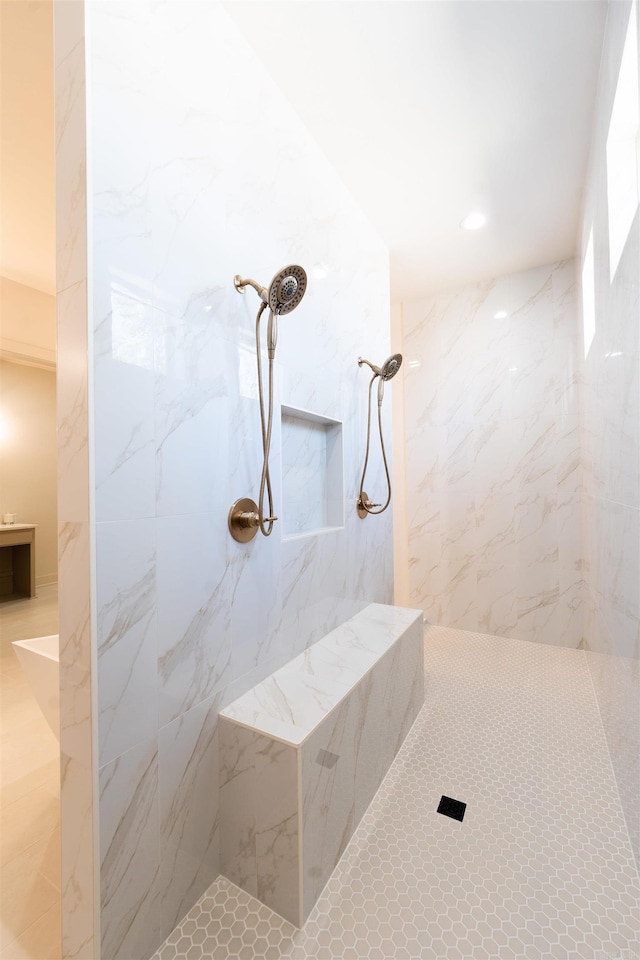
<point x="29" y="795"/>
<point x="541" y="867"/>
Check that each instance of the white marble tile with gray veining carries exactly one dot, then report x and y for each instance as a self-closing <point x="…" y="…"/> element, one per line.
<point x="77" y="868"/>
<point x="277" y="827"/>
<point x="68" y="30"/>
<point x="70" y="167"/>
<point x="256" y="640"/>
<point x="509" y="345"/>
<point x="291" y="702"/>
<point x="172" y="219"/>
<point x="72" y="403"/>
<point x="130" y="903"/>
<point x="125" y="411"/>
<point x="344" y="760"/>
<point x="328" y="598"/>
<point x="238" y="805"/>
<point x="304" y="475"/>
<point x="191" y="420"/>
<point x="188" y="773"/>
<point x="345" y="736"/>
<point x="328" y="798"/>
<point x="74" y="626"/>
<point x="194" y="640"/>
<point x="127" y="635"/>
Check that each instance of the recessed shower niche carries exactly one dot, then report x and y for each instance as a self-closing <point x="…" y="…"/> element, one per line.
<point x="312" y="473"/>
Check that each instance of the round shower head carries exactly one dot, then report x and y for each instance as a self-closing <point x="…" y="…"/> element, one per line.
<point x="287" y="288"/>
<point x="391" y="366"/>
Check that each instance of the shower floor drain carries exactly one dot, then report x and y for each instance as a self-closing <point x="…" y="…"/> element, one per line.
<point x="452" y="808"/>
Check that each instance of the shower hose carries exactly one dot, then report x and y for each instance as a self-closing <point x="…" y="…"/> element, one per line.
<point x="266" y="523"/>
<point x="366" y="456"/>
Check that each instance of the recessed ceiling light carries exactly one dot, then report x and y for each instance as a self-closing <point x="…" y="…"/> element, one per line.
<point x="474" y="221"/>
<point x="500" y="315"/>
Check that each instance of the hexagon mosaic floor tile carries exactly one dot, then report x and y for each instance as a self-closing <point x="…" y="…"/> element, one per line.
<point x="540" y="868"/>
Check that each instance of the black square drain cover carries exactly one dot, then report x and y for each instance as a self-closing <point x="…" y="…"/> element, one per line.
<point x="452" y="808"/>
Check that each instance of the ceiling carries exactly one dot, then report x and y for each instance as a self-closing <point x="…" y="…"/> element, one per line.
<point x="430" y="109"/>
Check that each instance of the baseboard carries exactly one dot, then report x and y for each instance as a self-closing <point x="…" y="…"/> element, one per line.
<point x="48" y="579"/>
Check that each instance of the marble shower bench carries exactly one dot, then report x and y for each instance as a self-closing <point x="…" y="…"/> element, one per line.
<point x="303" y="753"/>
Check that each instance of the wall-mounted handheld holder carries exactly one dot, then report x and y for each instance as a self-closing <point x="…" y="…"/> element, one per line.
<point x="387" y="371"/>
<point x="285" y="292"/>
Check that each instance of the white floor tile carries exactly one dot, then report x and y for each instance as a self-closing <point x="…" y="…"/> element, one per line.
<point x="540" y="869"/>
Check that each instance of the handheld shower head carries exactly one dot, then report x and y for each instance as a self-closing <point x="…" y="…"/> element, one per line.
<point x="287" y="289"/>
<point x="388" y="369"/>
<point x="391" y="366"/>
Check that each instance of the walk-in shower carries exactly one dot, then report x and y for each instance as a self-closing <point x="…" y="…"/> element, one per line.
<point x="386" y="372"/>
<point x="285" y="292"/>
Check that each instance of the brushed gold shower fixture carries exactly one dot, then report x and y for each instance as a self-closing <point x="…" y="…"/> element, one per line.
<point x="285" y="292"/>
<point x="244" y="519"/>
<point x="387" y="371"/>
<point x="364" y="505"/>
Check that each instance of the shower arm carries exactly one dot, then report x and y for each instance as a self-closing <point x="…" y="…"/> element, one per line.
<point x="240" y="283"/>
<point x="375" y="369"/>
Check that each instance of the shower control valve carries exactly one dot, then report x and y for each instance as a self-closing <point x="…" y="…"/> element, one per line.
<point x="244" y="520"/>
<point x="363" y="505"/>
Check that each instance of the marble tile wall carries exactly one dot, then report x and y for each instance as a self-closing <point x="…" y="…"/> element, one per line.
<point x="493" y="473"/>
<point x="77" y="711"/>
<point x="523" y="454"/>
<point x="304" y="475"/>
<point x="610" y="435"/>
<point x="365" y="733"/>
<point x="183" y="193"/>
<point x="303" y="754"/>
<point x="260" y="817"/>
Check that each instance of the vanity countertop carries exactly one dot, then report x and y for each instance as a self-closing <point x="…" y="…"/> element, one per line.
<point x="18" y="526"/>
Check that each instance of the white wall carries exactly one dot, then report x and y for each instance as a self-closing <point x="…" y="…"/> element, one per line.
<point x="28" y="401"/>
<point x="27" y="252"/>
<point x="611" y="439"/>
<point x="28" y="451"/>
<point x="493" y="472"/>
<point x="27" y="324"/>
<point x="197" y="170"/>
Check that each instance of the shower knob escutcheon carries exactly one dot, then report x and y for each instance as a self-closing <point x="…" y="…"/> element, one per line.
<point x="363" y="505"/>
<point x="244" y="519"/>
